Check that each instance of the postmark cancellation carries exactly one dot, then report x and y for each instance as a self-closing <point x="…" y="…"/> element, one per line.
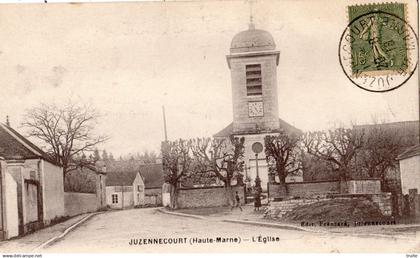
<point x="378" y="49"/>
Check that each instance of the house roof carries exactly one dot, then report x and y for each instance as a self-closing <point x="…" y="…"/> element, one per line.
<point x="395" y="125"/>
<point x="14" y="146"/>
<point x="228" y="130"/>
<point x="407" y="130"/>
<point x="87" y="168"/>
<point x="118" y="178"/>
<point x="152" y="175"/>
<point x="410" y="152"/>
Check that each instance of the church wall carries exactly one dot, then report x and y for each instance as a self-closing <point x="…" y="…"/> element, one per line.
<point x="249" y="158"/>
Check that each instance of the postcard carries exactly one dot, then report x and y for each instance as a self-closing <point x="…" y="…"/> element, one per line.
<point x="209" y="126"/>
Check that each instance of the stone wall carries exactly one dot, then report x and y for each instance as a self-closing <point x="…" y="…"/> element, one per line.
<point x="384" y="201"/>
<point x="206" y="196"/>
<point x="153" y="196"/>
<point x="278" y="209"/>
<point x="53" y="188"/>
<point x="322" y="188"/>
<point x="304" y="189"/>
<point x="364" y="186"/>
<point x="79" y="203"/>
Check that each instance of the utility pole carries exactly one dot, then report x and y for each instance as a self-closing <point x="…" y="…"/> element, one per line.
<point x="257" y="179"/>
<point x="164" y="123"/>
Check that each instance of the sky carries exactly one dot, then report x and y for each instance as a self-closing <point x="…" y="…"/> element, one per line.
<point x="129" y="59"/>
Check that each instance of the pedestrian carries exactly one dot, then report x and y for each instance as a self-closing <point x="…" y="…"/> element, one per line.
<point x="237" y="201"/>
<point x="257" y="200"/>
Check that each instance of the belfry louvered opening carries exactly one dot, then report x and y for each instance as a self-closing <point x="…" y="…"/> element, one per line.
<point x="253" y="80"/>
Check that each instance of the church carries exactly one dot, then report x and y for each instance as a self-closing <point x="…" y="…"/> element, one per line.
<point x="253" y="61"/>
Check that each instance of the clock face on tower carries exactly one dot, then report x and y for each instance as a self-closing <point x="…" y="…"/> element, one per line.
<point x="255" y="109"/>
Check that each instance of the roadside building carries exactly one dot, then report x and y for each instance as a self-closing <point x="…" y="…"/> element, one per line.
<point x="31" y="185"/>
<point x="409" y="163"/>
<point x="129" y="188"/>
<point x="124" y="189"/>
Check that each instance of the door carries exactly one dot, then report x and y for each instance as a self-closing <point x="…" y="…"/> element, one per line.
<point x="31" y="202"/>
<point x="33" y="206"/>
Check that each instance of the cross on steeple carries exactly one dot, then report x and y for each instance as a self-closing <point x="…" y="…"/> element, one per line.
<point x="251" y="17"/>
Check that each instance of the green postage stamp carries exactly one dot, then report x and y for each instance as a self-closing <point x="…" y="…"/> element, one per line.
<point x="378" y="49"/>
<point x="379" y="38"/>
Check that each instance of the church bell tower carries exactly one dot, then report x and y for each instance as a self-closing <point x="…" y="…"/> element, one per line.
<point x="253" y="61"/>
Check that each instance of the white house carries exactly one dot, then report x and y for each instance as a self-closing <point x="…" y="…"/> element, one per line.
<point x="124" y="189"/>
<point x="410" y="169"/>
<point x="31" y="185"/>
<point x="141" y="185"/>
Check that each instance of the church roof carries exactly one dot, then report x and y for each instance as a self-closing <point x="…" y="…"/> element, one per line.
<point x="408" y="131"/>
<point x="410" y="152"/>
<point x="228" y="130"/>
<point x="252" y="40"/>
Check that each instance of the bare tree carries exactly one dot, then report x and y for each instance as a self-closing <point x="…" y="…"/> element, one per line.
<point x="221" y="157"/>
<point x="283" y="155"/>
<point x="338" y="146"/>
<point x="379" y="154"/>
<point x="176" y="161"/>
<point x="199" y="177"/>
<point x="68" y="132"/>
<point x="315" y="169"/>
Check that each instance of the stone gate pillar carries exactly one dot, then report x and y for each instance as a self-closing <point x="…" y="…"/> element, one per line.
<point x="413" y="203"/>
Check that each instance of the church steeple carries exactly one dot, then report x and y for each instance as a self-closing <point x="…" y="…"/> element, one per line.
<point x="253" y="63"/>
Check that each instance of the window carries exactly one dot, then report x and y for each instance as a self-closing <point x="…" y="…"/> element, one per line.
<point x="139" y="188"/>
<point x="114" y="198"/>
<point x="253" y="80"/>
